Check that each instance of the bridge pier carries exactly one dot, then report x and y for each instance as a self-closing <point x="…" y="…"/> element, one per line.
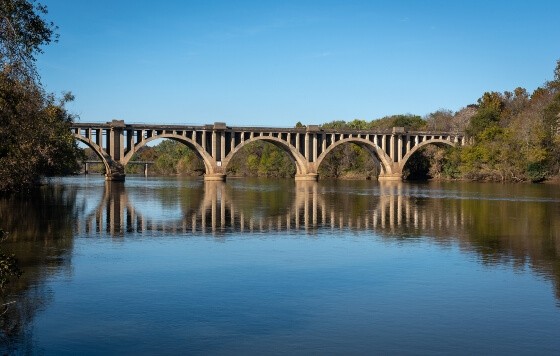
<point x="313" y="177"/>
<point x="115" y="177"/>
<point x="389" y="177"/>
<point x="215" y="177"/>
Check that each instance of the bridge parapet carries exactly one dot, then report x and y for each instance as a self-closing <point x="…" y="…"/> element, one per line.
<point x="116" y="142"/>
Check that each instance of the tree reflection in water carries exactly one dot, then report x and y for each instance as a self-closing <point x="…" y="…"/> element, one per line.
<point x="41" y="237"/>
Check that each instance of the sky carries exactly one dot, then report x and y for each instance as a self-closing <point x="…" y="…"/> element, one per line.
<point x="274" y="63"/>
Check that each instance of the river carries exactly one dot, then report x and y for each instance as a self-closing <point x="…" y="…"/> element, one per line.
<point x="175" y="266"/>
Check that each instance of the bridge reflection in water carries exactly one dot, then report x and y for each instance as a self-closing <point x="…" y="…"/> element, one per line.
<point x="391" y="208"/>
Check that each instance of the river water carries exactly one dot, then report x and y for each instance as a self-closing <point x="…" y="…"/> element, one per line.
<point x="174" y="266"/>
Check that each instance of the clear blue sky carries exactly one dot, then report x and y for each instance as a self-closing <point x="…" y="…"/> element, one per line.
<point x="278" y="62"/>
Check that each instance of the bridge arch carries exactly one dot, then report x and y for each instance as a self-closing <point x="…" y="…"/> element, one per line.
<point x="296" y="157"/>
<point x="200" y="152"/>
<point x="110" y="165"/>
<point x="434" y="141"/>
<point x="376" y="152"/>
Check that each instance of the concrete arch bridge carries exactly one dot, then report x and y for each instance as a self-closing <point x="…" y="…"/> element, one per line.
<point x="116" y="142"/>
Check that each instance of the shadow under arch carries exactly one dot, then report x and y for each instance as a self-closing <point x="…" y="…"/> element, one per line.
<point x="435" y="141"/>
<point x="375" y="151"/>
<point x="296" y="157"/>
<point x="199" y="151"/>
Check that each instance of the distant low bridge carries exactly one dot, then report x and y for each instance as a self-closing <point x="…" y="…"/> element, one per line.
<point x="116" y="142"/>
<point x="144" y="163"/>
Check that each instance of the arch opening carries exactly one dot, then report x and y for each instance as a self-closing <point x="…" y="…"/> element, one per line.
<point x="350" y="161"/>
<point x="261" y="158"/>
<point x="98" y="152"/>
<point x="171" y="149"/>
<point x="166" y="157"/>
<point x="427" y="161"/>
<point x="381" y="161"/>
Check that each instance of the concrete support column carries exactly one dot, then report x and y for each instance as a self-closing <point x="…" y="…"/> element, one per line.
<point x="213" y="152"/>
<point x="98" y="136"/>
<point x="314" y="147"/>
<point x="392" y="148"/>
<point x="306" y="148"/>
<point x="129" y="140"/>
<point x="109" y="137"/>
<point x="222" y="145"/>
<point x="399" y="147"/>
<point x="297" y="142"/>
<point x="121" y="145"/>
<point x="204" y="140"/>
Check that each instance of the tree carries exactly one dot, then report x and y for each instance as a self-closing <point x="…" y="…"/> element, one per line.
<point x="34" y="125"/>
<point x="22" y="33"/>
<point x="408" y="121"/>
<point x="441" y="120"/>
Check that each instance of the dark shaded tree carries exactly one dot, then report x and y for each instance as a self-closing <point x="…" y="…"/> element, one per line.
<point x="34" y="126"/>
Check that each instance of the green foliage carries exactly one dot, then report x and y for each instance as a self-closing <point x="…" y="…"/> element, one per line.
<point x="536" y="171"/>
<point x="36" y="138"/>
<point x="417" y="167"/>
<point x="408" y="121"/>
<point x="170" y="158"/>
<point x="451" y="164"/>
<point x="516" y="136"/>
<point x="358" y="124"/>
<point x="261" y="159"/>
<point x="22" y="33"/>
<point x="34" y="126"/>
<point x="335" y="125"/>
<point x="349" y="161"/>
<point x="486" y="117"/>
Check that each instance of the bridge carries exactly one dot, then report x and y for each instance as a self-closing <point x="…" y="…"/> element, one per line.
<point x="216" y="144"/>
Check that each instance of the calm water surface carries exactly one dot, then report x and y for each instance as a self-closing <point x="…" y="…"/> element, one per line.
<point x="169" y="266"/>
